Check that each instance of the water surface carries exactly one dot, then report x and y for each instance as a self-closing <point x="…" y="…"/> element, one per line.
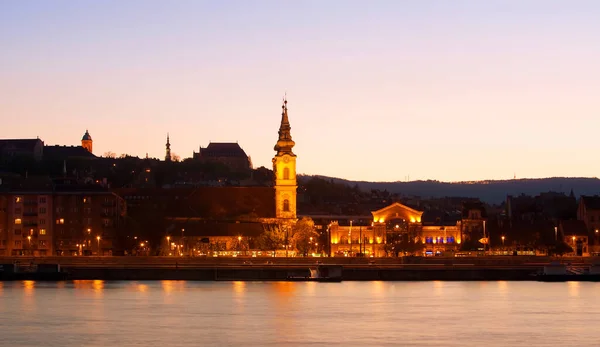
<point x="179" y="313"/>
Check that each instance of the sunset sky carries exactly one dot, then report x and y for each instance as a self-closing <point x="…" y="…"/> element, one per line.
<point x="377" y="90"/>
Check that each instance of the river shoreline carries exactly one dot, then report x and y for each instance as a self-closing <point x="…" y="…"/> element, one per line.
<point x="281" y="269"/>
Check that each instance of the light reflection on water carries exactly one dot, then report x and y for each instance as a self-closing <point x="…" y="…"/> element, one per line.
<point x="179" y="313"/>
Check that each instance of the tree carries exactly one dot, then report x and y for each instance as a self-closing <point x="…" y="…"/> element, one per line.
<point x="109" y="154"/>
<point x="560" y="248"/>
<point x="237" y="243"/>
<point x="272" y="238"/>
<point x="175" y="157"/>
<point x="304" y="235"/>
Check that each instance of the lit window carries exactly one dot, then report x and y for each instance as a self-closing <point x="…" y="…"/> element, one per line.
<point x="42" y="231"/>
<point x="18" y="221"/>
<point x="18" y="199"/>
<point x="60" y="221"/>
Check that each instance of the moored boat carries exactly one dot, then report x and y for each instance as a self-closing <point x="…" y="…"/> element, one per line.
<point x="32" y="272"/>
<point x="556" y="272"/>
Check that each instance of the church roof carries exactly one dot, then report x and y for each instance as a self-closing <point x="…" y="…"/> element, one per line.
<point x="223" y="149"/>
<point x="86" y="136"/>
<point x="66" y="152"/>
<point x="21" y="144"/>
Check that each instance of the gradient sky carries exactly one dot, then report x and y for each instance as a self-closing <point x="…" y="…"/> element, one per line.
<point x="377" y="90"/>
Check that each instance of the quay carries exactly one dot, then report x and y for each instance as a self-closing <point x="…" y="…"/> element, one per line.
<point x="279" y="269"/>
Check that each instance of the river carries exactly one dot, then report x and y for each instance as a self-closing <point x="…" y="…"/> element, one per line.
<point x="178" y="313"/>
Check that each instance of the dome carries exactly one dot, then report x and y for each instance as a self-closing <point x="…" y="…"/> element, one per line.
<point x="86" y="136"/>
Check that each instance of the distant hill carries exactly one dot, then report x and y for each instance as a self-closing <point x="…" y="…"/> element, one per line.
<point x="493" y="192"/>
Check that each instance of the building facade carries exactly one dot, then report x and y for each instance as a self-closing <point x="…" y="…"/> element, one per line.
<point x="59" y="219"/>
<point x="26" y="223"/>
<point x="21" y="148"/>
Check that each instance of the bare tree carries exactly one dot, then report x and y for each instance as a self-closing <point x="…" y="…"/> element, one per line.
<point x="109" y="154"/>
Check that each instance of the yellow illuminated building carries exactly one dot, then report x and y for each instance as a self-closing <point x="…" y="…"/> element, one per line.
<point x="284" y="169"/>
<point x="392" y="228"/>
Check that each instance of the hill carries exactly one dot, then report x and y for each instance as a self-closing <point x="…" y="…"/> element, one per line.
<point x="491" y="191"/>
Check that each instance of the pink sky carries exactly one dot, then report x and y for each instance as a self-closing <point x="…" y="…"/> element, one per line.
<point x="377" y="90"/>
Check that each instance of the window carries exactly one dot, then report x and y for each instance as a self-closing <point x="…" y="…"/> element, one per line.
<point x="17" y="243"/>
<point x="42" y="221"/>
<point x="60" y="221"/>
<point x="286" y="173"/>
<point x="18" y="199"/>
<point x="42" y="210"/>
<point x="42" y="200"/>
<point x="18" y="221"/>
<point x="42" y="231"/>
<point x="429" y="239"/>
<point x="87" y="210"/>
<point x="286" y="205"/>
<point x="18" y="210"/>
<point x="42" y="243"/>
<point x="17" y="231"/>
<point x="450" y="239"/>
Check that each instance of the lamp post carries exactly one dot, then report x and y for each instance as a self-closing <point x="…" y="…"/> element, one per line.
<point x="29" y="238"/>
<point x="168" y="243"/>
<point x="98" y="238"/>
<point x="555" y="233"/>
<point x="182" y="231"/>
<point x="239" y="245"/>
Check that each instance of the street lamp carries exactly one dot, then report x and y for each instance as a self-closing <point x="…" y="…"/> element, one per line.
<point x="98" y="238"/>
<point x="503" y="240"/>
<point x="29" y="238"/>
<point x="168" y="243"/>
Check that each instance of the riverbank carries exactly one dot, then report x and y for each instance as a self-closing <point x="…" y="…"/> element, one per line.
<point x="280" y="269"/>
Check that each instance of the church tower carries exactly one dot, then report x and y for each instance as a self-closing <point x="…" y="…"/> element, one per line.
<point x="86" y="141"/>
<point x="168" y="151"/>
<point x="284" y="169"/>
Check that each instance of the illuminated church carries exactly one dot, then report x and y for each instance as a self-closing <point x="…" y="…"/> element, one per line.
<point x="215" y="217"/>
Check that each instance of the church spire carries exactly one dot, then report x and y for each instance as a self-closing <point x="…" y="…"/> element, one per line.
<point x="168" y="146"/>
<point x="285" y="142"/>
